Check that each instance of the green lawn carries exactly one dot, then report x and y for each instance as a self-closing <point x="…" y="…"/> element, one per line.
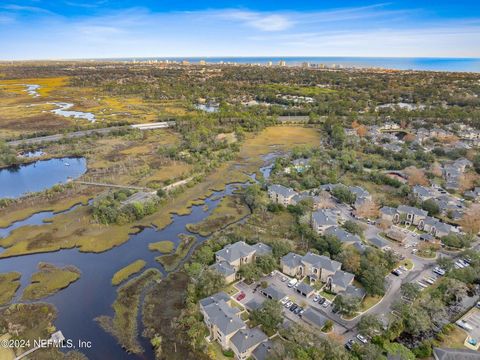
<point x="327" y="295"/>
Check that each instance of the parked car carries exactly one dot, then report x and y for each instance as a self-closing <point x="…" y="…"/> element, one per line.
<point x="349" y="344"/>
<point x="288" y="304"/>
<point x="316" y="298"/>
<point x="326" y="303"/>
<point x="439" y="271"/>
<point x="396" y="272"/>
<point x="321" y="300"/>
<point x="293" y="307"/>
<point x="292" y="282"/>
<point x="464" y="325"/>
<point x="284" y="278"/>
<point x="241" y="296"/>
<point x="362" y="339"/>
<point x="297" y="310"/>
<point x="284" y="300"/>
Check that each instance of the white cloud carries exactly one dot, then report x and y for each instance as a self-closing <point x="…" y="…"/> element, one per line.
<point x="33" y="9"/>
<point x="260" y="21"/>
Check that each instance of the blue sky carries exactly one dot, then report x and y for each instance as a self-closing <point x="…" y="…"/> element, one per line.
<point x="61" y="29"/>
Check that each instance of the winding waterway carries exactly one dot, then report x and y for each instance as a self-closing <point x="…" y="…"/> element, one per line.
<point x="92" y="295"/>
<point x="63" y="110"/>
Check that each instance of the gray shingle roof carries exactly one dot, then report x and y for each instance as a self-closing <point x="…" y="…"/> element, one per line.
<point x="440" y="226"/>
<point x="359" y="191"/>
<point x="263" y="351"/>
<point x="455" y="354"/>
<point x="321" y="262"/>
<point x="273" y="292"/>
<point x="353" y="291"/>
<point x="224" y="317"/>
<point x="223" y="268"/>
<point x="314" y="317"/>
<point x="342" y="278"/>
<point x="214" y="298"/>
<point x="412" y="210"/>
<point x="262" y="249"/>
<point x="342" y="235"/>
<point x="248" y="338"/>
<point x="324" y="217"/>
<point x="387" y="210"/>
<point x="292" y="260"/>
<point x="378" y="242"/>
<point x="304" y="288"/>
<point x="235" y="251"/>
<point x="282" y="190"/>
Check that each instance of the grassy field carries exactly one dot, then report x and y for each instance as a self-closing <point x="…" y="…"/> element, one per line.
<point x="171" y="261"/>
<point x="123" y="325"/>
<point x="369" y="301"/>
<point x="454" y="338"/>
<point x="127" y="271"/>
<point x="164" y="246"/>
<point x="229" y="210"/>
<point x="49" y="280"/>
<point x="9" y="284"/>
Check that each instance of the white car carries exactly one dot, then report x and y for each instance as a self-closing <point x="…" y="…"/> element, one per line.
<point x="326" y="303"/>
<point x="288" y="304"/>
<point x="284" y="300"/>
<point x="284" y="278"/>
<point x="362" y="339"/>
<point x="316" y="298"/>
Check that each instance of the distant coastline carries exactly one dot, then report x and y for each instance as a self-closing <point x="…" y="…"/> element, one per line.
<point x="422" y="64"/>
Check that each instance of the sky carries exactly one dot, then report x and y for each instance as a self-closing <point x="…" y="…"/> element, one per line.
<point x="79" y="29"/>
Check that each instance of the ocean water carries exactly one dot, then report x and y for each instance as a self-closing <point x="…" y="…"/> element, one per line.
<point x="427" y="64"/>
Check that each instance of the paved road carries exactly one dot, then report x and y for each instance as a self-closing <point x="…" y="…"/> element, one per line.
<point x="76" y="134"/>
<point x="57" y="137"/>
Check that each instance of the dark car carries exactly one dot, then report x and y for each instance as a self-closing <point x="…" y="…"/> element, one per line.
<point x="349" y="344"/>
<point x="396" y="272"/>
<point x="293" y="307"/>
<point x="321" y="301"/>
<point x="298" y="310"/>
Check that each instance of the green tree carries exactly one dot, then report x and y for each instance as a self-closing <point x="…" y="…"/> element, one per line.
<point x="410" y="290"/>
<point x="208" y="283"/>
<point x="250" y="272"/>
<point x="370" y="325"/>
<point x="353" y="227"/>
<point x="254" y="197"/>
<point x="431" y="206"/>
<point x="266" y="263"/>
<point x="346" y="305"/>
<point x="344" y="195"/>
<point x="269" y="316"/>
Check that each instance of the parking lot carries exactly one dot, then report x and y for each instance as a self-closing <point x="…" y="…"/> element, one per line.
<point x="471" y="324"/>
<point x="253" y="296"/>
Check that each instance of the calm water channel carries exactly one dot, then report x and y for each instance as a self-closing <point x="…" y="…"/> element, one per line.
<point x="92" y="295"/>
<point x="19" y="180"/>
